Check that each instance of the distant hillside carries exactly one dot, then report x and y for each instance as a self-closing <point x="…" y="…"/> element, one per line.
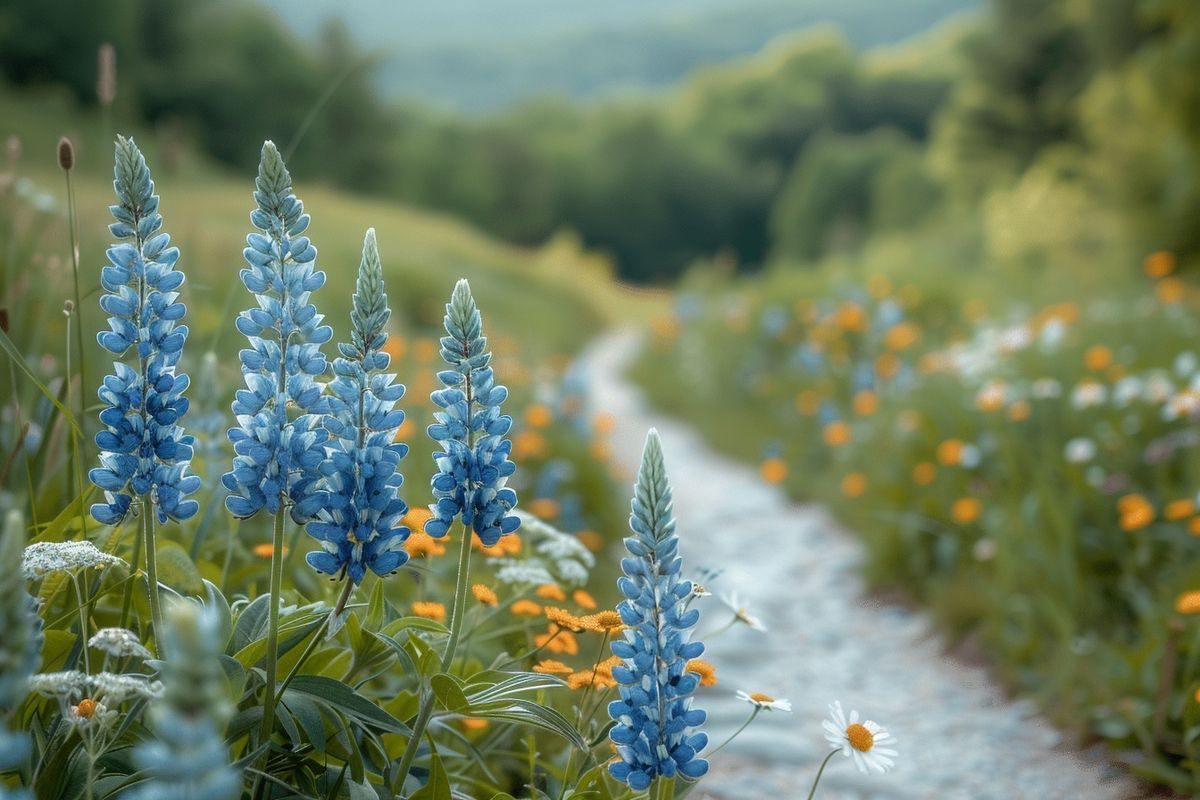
<point x="479" y="55"/>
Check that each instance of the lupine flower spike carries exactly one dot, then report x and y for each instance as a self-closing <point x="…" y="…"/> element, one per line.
<point x="143" y="450"/>
<point x="473" y="467"/>
<point x="359" y="529"/>
<point x="21" y="645"/>
<point x="655" y="722"/>
<point x="188" y="758"/>
<point x="279" y="440"/>
<point x="278" y="458"/>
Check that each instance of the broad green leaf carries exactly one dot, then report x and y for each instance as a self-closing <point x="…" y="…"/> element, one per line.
<point x="251" y="624"/>
<point x="437" y="787"/>
<point x="342" y="698"/>
<point x="449" y="693"/>
<point x="55" y="649"/>
<point x="175" y="569"/>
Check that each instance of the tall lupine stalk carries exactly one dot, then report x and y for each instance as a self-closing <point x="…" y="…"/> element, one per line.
<point x="654" y="732"/>
<point x="144" y="453"/>
<point x="278" y="456"/>
<point x="188" y="757"/>
<point x="473" y="466"/>
<point x="359" y="528"/>
<point x="21" y="644"/>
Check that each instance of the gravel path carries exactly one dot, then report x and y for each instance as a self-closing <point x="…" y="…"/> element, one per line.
<point x="959" y="737"/>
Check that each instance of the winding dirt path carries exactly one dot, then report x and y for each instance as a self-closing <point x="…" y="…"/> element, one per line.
<point x="959" y="737"/>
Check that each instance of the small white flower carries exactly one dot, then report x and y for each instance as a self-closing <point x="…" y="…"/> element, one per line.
<point x="42" y="558"/>
<point x="867" y="742"/>
<point x="743" y="616"/>
<point x="1089" y="393"/>
<point x="764" y="702"/>
<point x="1079" y="450"/>
<point x="1046" y="389"/>
<point x="970" y="456"/>
<point x="118" y="642"/>
<point x="1127" y="390"/>
<point x="1185" y="363"/>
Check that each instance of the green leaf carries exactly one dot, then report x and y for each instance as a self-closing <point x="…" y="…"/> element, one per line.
<point x="449" y="693"/>
<point x="251" y="624"/>
<point x="56" y="530"/>
<point x="7" y="345"/>
<point x="527" y="712"/>
<point x="218" y="603"/>
<point x="375" y="608"/>
<point x="55" y="649"/>
<point x="175" y="569"/>
<point x="415" y="624"/>
<point x="437" y="787"/>
<point x="342" y="698"/>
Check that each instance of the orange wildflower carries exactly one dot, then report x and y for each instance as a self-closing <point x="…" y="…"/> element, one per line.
<point x="429" y="610"/>
<point x="1159" y="264"/>
<point x="836" y="433"/>
<point x="551" y="591"/>
<point x="583" y="599"/>
<point x="1179" y="509"/>
<point x="773" y="470"/>
<point x="1098" y="358"/>
<point x="706" y="671"/>
<point x="484" y="594"/>
<point x="854" y="484"/>
<point x="544" y="508"/>
<point x="924" y="473"/>
<point x="526" y="608"/>
<point x="1188" y="602"/>
<point x="965" y="510"/>
<point x="950" y="451"/>
<point x="538" y="416"/>
<point x="866" y="403"/>
<point x="551" y="667"/>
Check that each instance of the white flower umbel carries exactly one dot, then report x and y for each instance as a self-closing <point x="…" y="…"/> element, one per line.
<point x="764" y="702"/>
<point x="42" y="558"/>
<point x="119" y="643"/>
<point x="867" y="742"/>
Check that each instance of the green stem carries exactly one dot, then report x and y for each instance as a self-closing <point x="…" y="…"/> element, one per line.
<point x="71" y="222"/>
<point x="269" y="696"/>
<point x="460" y="596"/>
<point x="127" y="602"/>
<point x="813" y="792"/>
<point x="734" y="735"/>
<point x="316" y="638"/>
<point x="418" y="731"/>
<point x="83" y="626"/>
<point x="152" y="573"/>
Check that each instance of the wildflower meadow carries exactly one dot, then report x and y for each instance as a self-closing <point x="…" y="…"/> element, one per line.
<point x="156" y="645"/>
<point x="528" y="400"/>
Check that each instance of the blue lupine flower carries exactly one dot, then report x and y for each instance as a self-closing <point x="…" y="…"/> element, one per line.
<point x="359" y="527"/>
<point x="21" y="645"/>
<point x="655" y="720"/>
<point x="143" y="449"/>
<point x="277" y="458"/>
<point x="188" y="757"/>
<point x="473" y="467"/>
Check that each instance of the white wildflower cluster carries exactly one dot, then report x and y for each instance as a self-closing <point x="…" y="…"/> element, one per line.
<point x="42" y="558"/>
<point x="520" y="572"/>
<point x="119" y="643"/>
<point x="108" y="686"/>
<point x="554" y="557"/>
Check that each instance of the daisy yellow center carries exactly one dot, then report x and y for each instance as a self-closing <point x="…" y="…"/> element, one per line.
<point x="86" y="708"/>
<point x="859" y="737"/>
<point x="759" y="697"/>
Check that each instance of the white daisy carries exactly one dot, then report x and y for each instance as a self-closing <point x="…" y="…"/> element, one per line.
<point x="867" y="741"/>
<point x="764" y="702"/>
<point x="741" y="614"/>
